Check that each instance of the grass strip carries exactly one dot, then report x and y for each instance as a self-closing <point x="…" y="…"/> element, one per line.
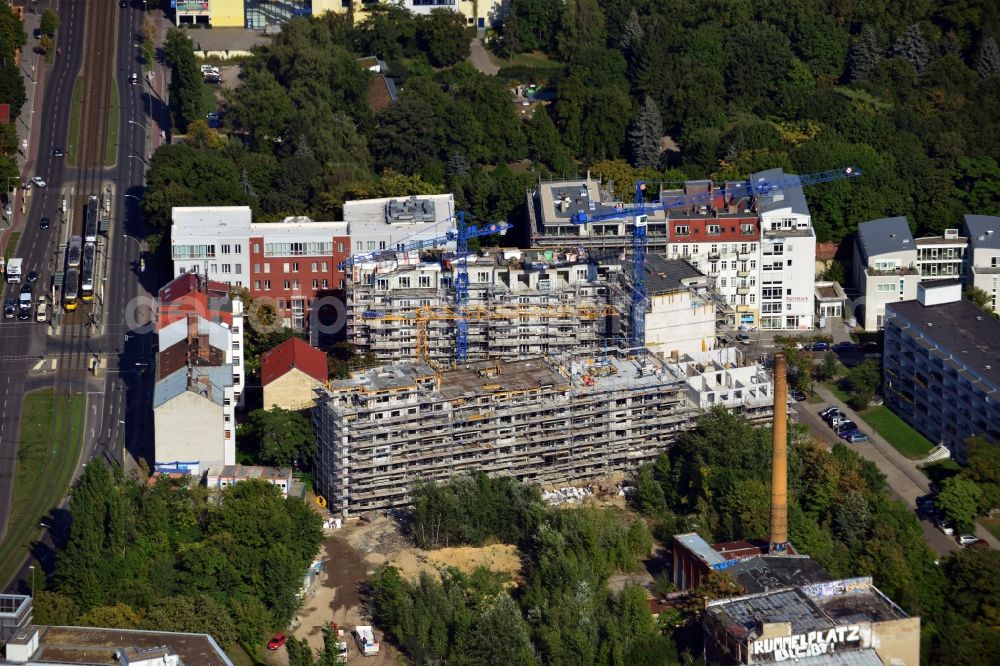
<point x="45" y="466"/>
<point x="75" y="115"/>
<point x="111" y="147"/>
<point x="895" y="430"/>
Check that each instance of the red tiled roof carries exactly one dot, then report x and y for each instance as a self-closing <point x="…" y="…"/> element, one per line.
<point x="292" y="353"/>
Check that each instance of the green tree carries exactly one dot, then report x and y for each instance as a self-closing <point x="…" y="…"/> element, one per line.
<point x="193" y="614"/>
<point x="983" y="467"/>
<point x="12" y="35"/>
<point x="8" y="139"/>
<point x="759" y="57"/>
<point x="261" y="107"/>
<point x="49" y="22"/>
<point x="979" y="297"/>
<point x="52" y="608"/>
<point x="502" y="635"/>
<point x="828" y="368"/>
<point x="835" y="272"/>
<point x="186" y="100"/>
<point x="118" y="616"/>
<point x="912" y="47"/>
<point x="989" y="59"/>
<point x="866" y="53"/>
<point x="959" y="501"/>
<point x="864" y="380"/>
<point x="645" y="134"/>
<point x="279" y="436"/>
<point x="45" y="43"/>
<point x="12" y="86"/>
<point x="441" y="35"/>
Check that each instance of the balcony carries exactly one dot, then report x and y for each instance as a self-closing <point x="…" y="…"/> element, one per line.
<point x="742" y="291"/>
<point x="742" y="274"/>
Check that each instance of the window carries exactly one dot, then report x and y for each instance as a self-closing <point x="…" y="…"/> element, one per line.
<point x="315" y="284"/>
<point x="256" y="248"/>
<point x="381" y="245"/>
<point x="753" y="264"/>
<point x="340" y="248"/>
<point x="746" y="229"/>
<point x="371" y="245"/>
<point x="724" y="265"/>
<point x="226" y="249"/>
<point x="325" y="284"/>
<point x="288" y="284"/>
<point x="714" y="249"/>
<point x="425" y="280"/>
<point x="238" y="268"/>
<point x="684" y="250"/>
<point x="682" y="230"/>
<point x="713" y="267"/>
<point x="295" y="284"/>
<point x="288" y="267"/>
<point x="226" y="268"/>
<point x="788" y="306"/>
<point x="267" y="285"/>
<point x="482" y="277"/>
<point x="789" y="262"/>
<point x="404" y="282"/>
<point x="886" y="288"/>
<point x="314" y="266"/>
<point x="753" y="297"/>
<point x="238" y="248"/>
<point x="714" y="229"/>
<point x="256" y="284"/>
<point x="722" y="282"/>
<point x="215" y="268"/>
<point x="382" y="284"/>
<point x="256" y="268"/>
<point x="361" y="246"/>
<point x="326" y="266"/>
<point x="236" y="345"/>
<point x="295" y="267"/>
<point x="267" y="268"/>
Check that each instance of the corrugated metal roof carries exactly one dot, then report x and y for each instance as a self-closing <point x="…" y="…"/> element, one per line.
<point x="699" y="547"/>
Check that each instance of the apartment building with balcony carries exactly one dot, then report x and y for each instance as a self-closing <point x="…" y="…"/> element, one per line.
<point x="982" y="261"/>
<point x="889" y="264"/>
<point x="552" y="420"/>
<point x="941" y="371"/>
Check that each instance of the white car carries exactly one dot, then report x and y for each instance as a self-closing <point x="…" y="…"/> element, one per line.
<point x="38" y="181"/>
<point x="967" y="540"/>
<point x="945" y="528"/>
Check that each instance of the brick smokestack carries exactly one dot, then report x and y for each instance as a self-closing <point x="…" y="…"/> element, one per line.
<point x="779" y="460"/>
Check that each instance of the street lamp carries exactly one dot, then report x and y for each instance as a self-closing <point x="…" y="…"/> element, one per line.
<point x="140" y="158"/>
<point x="149" y="137"/>
<point x="32" y="567"/>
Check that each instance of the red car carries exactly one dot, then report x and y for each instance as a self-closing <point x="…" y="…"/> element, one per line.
<point x="276" y="642"/>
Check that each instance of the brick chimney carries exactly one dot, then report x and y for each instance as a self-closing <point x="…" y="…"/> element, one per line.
<point x="779" y="460"/>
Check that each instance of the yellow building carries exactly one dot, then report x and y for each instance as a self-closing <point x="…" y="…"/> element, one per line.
<point x="227" y="13"/>
<point x="290" y="372"/>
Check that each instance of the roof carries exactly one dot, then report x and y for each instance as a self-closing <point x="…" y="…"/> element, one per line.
<point x="767" y="572"/>
<point x="216" y="221"/>
<point x="243" y="472"/>
<point x="188" y="284"/>
<point x="983" y="231"/>
<point x="693" y="542"/>
<point x="866" y="657"/>
<point x="479" y="378"/>
<point x="958" y="329"/>
<point x="787" y="198"/>
<point x="664" y="276"/>
<point x="885" y="236"/>
<point x="90" y="645"/>
<point x="293" y="353"/>
<point x="217" y="379"/>
<point x="298" y="226"/>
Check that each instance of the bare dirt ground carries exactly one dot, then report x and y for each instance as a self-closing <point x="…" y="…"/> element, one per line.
<point x="351" y="554"/>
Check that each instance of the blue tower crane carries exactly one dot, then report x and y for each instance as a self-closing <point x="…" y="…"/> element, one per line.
<point x="752" y="187"/>
<point x="462" y="235"/>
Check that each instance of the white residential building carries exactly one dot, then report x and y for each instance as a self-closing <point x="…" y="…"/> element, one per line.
<point x="983" y="258"/>
<point x="220" y="335"/>
<point x="682" y="307"/>
<point x="889" y="264"/>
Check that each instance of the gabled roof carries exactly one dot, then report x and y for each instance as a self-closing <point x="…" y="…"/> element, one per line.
<point x="208" y="382"/>
<point x="789" y="197"/>
<point x="293" y="353"/>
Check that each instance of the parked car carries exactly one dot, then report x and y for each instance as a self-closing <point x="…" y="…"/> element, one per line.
<point x="945" y="528"/>
<point x="846" y="424"/>
<point x="966" y="540"/>
<point x="827" y="410"/>
<point x="847" y="433"/>
<point x="276" y="641"/>
<point x="836" y="419"/>
<point x="821" y="347"/>
<point x="843" y="346"/>
<point x="38" y="181"/>
<point x="858" y="438"/>
<point x="798" y="396"/>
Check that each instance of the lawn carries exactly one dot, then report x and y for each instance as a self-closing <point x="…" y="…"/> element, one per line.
<point x="903" y="438"/>
<point x="15" y="236"/>
<point x="992" y="524"/>
<point x="75" y="111"/>
<point x="533" y="59"/>
<point x="111" y="147"/>
<point x="44" y="469"/>
<point x="838" y="390"/>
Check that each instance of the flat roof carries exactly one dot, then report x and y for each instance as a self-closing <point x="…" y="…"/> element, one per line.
<point x="90" y="645"/>
<point x="885" y="236"/>
<point x="242" y="472"/>
<point x="983" y="231"/>
<point x="204" y="221"/>
<point x="498" y="376"/>
<point x="767" y="572"/>
<point x="665" y="276"/>
<point x="958" y="329"/>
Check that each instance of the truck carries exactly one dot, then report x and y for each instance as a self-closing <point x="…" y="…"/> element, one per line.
<point x="366" y="640"/>
<point x="14" y="270"/>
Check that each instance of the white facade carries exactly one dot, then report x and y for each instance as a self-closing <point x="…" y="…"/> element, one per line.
<point x="734" y="269"/>
<point x="220" y="477"/>
<point x="983" y="257"/>
<point x="788" y="268"/>
<point x="722" y="377"/>
<point x="384" y="224"/>
<point x="194" y="420"/>
<point x="212" y="240"/>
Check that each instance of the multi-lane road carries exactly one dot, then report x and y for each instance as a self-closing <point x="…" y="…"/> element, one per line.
<point x="97" y="43"/>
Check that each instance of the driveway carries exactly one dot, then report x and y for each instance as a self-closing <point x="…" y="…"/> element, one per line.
<point x="481" y="59"/>
<point x="903" y="477"/>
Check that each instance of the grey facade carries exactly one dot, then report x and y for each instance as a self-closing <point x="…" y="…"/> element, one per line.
<point x="942" y="371"/>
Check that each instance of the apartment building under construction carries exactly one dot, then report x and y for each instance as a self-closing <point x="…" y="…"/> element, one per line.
<point x="544" y="420"/>
<point x="522" y="303"/>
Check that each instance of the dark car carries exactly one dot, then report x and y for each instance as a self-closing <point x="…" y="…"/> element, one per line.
<point x="821" y="346"/>
<point x="798" y="396"/>
<point x="847" y="433"/>
<point x="843" y="346"/>
<point x="31" y="277"/>
<point x="10" y="308"/>
<point x="57" y="152"/>
<point x="44" y="223"/>
<point x="833" y="414"/>
<point x="845" y="425"/>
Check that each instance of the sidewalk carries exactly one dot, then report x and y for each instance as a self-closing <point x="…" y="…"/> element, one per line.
<point x="898" y="464"/>
<point x="33" y="71"/>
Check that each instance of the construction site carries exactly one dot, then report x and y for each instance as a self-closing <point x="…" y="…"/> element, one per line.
<point x="546" y="420"/>
<point x="524" y="304"/>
